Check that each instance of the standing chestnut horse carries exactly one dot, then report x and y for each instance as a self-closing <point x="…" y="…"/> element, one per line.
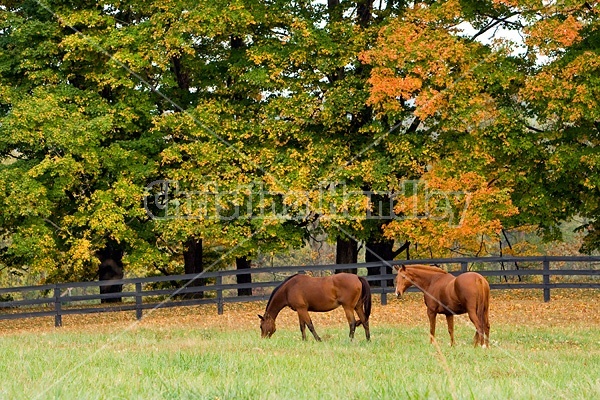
<point x="449" y="295"/>
<point x="303" y="293"/>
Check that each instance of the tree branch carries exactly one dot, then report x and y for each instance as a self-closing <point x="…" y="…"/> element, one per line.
<point x="511" y="249"/>
<point x="533" y="128"/>
<point x="481" y="246"/>
<point x="402" y="248"/>
<point x="496" y="21"/>
<point x="414" y="125"/>
<point x="58" y="228"/>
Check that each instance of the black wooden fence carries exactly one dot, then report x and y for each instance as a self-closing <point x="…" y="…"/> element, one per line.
<point x="219" y="287"/>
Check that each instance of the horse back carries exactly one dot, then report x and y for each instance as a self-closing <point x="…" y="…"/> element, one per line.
<point x="323" y="293"/>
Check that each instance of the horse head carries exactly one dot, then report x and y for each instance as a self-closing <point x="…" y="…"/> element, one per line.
<point x="402" y="280"/>
<point x="267" y="326"/>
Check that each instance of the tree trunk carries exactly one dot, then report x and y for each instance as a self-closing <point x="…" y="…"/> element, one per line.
<point x="346" y="253"/>
<point x="364" y="10"/>
<point x="192" y="258"/>
<point x="379" y="251"/>
<point x="111" y="268"/>
<point x="378" y="248"/>
<point x="334" y="10"/>
<point x="243" y="263"/>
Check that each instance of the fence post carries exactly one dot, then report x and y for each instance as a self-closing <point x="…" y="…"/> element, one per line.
<point x="464" y="267"/>
<point x="219" y="295"/>
<point x="138" y="300"/>
<point x="383" y="271"/>
<point x="546" y="277"/>
<point x="57" y="307"/>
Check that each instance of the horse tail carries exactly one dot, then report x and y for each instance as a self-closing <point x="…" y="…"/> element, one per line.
<point x="366" y="296"/>
<point x="483" y="308"/>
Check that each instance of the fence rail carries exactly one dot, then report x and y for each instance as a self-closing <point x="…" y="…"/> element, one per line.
<point x="140" y="294"/>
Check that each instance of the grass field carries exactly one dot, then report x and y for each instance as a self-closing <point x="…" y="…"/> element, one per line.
<point x="540" y="350"/>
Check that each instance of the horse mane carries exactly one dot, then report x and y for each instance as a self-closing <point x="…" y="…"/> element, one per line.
<point x="277" y="288"/>
<point x="430" y="268"/>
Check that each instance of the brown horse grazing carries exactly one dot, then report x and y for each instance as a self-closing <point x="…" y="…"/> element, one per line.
<point x="303" y="293"/>
<point x="449" y="295"/>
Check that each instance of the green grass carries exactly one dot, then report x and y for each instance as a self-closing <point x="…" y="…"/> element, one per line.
<point x="177" y="363"/>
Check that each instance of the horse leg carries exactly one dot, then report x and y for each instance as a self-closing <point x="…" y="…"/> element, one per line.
<point x="431" y="314"/>
<point x="450" y="321"/>
<point x="312" y="330"/>
<point x="302" y="327"/>
<point x="363" y="320"/>
<point x="486" y="326"/>
<point x="305" y="318"/>
<point x="479" y="331"/>
<point x="351" y="321"/>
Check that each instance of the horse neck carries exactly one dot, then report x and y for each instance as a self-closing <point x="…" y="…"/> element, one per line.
<point x="422" y="277"/>
<point x="277" y="303"/>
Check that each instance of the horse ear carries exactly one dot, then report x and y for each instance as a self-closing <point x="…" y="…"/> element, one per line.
<point x="396" y="267"/>
<point x="261" y="317"/>
<point x="403" y="268"/>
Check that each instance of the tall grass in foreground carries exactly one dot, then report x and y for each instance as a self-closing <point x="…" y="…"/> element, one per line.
<point x="161" y="363"/>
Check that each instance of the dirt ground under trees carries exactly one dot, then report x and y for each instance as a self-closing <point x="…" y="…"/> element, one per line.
<point x="526" y="308"/>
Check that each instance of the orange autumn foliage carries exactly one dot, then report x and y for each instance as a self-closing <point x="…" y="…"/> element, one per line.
<point x="418" y="58"/>
<point x="553" y="34"/>
<point x="451" y="213"/>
